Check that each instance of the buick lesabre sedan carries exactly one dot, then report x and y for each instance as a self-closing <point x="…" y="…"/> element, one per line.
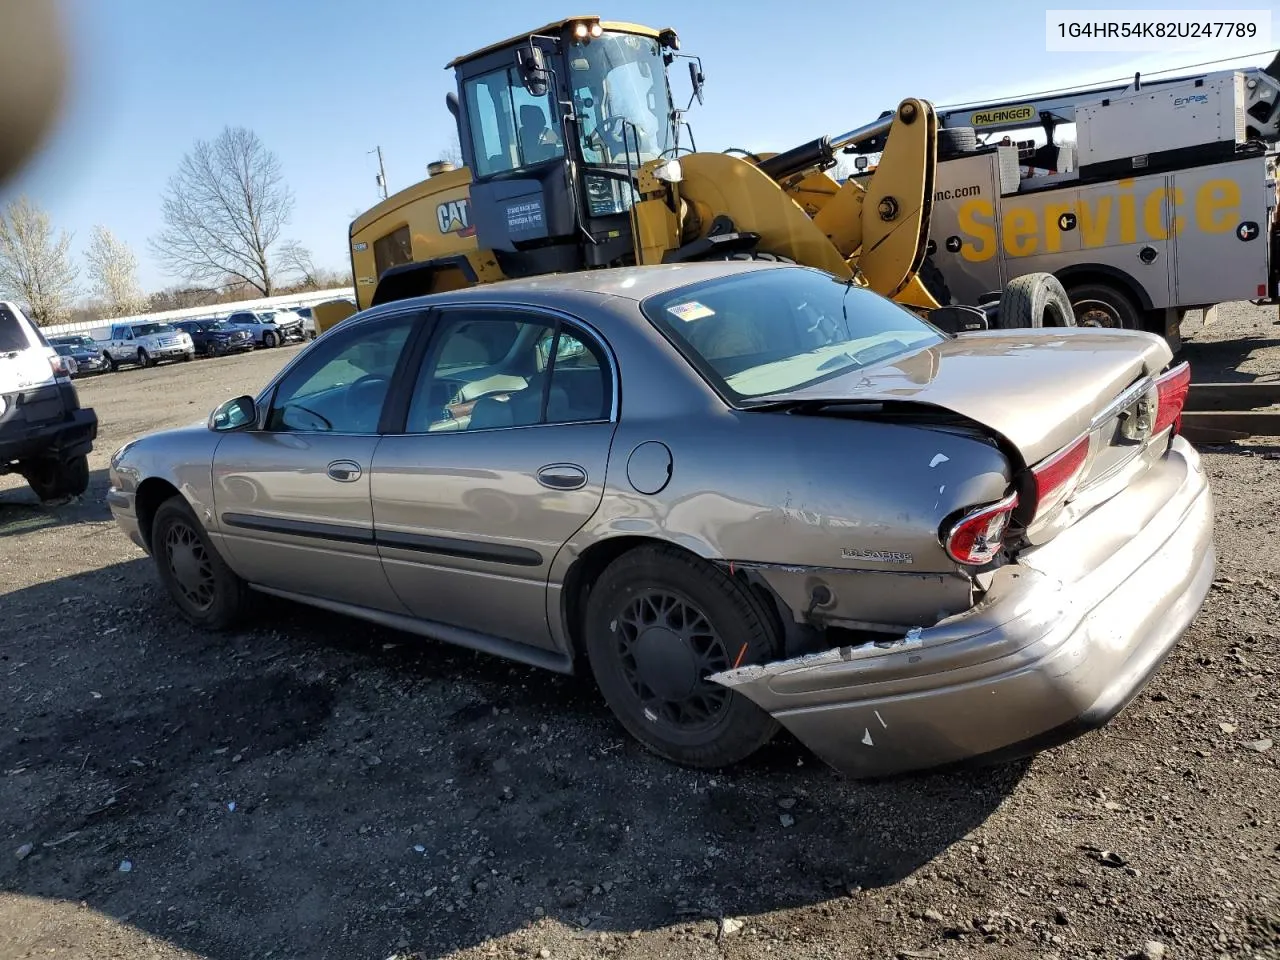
<point x="740" y="495"/>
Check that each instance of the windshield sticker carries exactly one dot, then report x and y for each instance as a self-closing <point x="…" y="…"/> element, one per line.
<point x="688" y="312"/>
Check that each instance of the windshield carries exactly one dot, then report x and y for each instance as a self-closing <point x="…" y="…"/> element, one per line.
<point x="620" y="97"/>
<point x="146" y="329"/>
<point x="510" y="127"/>
<point x="776" y="330"/>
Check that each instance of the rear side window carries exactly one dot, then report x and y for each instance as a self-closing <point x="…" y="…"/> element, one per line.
<point x="12" y="336"/>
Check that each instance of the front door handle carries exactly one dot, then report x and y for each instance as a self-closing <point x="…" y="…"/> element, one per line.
<point x="344" y="471"/>
<point x="562" y="476"/>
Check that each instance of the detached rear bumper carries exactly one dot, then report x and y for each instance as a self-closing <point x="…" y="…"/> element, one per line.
<point x="1062" y="642"/>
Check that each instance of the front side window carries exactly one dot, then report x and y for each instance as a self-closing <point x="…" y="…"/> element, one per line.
<point x="510" y="127"/>
<point x="340" y="386"/>
<point x="775" y="330"/>
<point x="621" y="99"/>
<point x="489" y="369"/>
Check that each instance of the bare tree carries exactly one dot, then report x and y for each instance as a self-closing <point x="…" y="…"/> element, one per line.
<point x="113" y="269"/>
<point x="35" y="266"/>
<point x="453" y="152"/>
<point x="224" y="212"/>
<point x="296" y="259"/>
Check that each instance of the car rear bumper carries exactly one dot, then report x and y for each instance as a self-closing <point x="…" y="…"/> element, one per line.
<point x="59" y="439"/>
<point x="1062" y="642"/>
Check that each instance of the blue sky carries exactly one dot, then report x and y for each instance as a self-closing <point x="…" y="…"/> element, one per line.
<point x="323" y="82"/>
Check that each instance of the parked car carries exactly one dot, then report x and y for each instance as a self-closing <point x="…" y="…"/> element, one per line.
<point x="146" y="343"/>
<point x="83" y="358"/>
<point x="214" y="338"/>
<point x="743" y="495"/>
<point x="308" y="322"/>
<point x="269" y="328"/>
<point x="45" y="435"/>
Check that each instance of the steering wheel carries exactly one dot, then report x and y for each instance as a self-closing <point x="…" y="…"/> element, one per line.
<point x="606" y="132"/>
<point x="355" y="405"/>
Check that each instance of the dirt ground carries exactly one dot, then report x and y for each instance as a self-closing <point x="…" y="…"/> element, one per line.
<point x="315" y="787"/>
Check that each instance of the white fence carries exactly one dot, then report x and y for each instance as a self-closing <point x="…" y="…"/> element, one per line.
<point x="98" y="329"/>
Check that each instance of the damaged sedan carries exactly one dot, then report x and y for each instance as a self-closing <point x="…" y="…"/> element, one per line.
<point x="741" y="496"/>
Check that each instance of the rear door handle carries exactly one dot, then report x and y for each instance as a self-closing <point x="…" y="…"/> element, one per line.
<point x="562" y="476"/>
<point x="344" y="471"/>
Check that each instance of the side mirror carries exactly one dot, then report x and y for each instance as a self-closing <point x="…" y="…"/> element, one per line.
<point x="532" y="64"/>
<point x="233" y="415"/>
<point x="697" y="79"/>
<point x="956" y="319"/>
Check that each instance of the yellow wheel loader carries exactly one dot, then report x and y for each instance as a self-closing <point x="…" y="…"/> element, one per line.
<point x="573" y="160"/>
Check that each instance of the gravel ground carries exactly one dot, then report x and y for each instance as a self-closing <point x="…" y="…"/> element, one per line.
<point x="315" y="787"/>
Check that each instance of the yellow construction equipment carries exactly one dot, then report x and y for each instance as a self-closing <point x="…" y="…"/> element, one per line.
<point x="574" y="158"/>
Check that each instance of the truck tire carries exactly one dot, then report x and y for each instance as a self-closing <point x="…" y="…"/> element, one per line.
<point x="934" y="282"/>
<point x="1104" y="305"/>
<point x="954" y="141"/>
<point x="111" y="362"/>
<point x="1034" y="300"/>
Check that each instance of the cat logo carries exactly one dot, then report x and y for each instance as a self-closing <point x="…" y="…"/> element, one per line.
<point x="455" y="217"/>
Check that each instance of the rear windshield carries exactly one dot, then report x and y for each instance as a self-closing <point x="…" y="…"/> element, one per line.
<point x="777" y="330"/>
<point x="11" y="336"/>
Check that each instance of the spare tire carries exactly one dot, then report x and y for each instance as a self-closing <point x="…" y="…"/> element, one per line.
<point x="953" y="141"/>
<point x="1034" y="300"/>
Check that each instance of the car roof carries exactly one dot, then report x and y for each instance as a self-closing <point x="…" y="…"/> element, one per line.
<point x="628" y="283"/>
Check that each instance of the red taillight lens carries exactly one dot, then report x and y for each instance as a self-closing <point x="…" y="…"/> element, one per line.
<point x="1055" y="479"/>
<point x="1171" y="389"/>
<point x="61" y="365"/>
<point x="979" y="535"/>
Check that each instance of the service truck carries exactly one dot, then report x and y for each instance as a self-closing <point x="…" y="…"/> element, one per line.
<point x="1164" y="204"/>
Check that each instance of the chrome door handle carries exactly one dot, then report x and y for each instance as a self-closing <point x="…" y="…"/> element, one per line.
<point x="344" y="471"/>
<point x="562" y="476"/>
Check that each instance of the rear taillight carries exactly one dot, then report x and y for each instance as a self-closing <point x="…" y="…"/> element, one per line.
<point x="61" y="365"/>
<point x="1171" y="392"/>
<point x="978" y="536"/>
<point x="1054" y="479"/>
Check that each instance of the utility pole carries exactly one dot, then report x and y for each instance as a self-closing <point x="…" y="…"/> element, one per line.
<point x="382" y="172"/>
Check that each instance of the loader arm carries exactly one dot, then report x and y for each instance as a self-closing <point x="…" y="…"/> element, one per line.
<point x="876" y="233"/>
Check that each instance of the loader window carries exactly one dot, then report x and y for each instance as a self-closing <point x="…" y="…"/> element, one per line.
<point x="621" y="98"/>
<point x="392" y="250"/>
<point x="510" y="127"/>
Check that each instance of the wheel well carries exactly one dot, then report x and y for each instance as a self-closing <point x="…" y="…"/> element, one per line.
<point x="1110" y="277"/>
<point x="588" y="568"/>
<point x="151" y="494"/>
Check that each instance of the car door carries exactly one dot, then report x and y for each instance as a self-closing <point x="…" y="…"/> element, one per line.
<point x="292" y="492"/>
<point x="501" y="459"/>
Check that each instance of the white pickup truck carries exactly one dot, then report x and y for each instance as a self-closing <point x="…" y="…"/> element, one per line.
<point x="146" y="343"/>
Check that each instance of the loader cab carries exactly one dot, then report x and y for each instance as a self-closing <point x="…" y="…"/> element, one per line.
<point x="553" y="125"/>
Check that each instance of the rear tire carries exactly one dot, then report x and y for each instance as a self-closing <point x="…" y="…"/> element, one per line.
<point x="658" y="622"/>
<point x="1034" y="300"/>
<point x="53" y="480"/>
<point x="205" y="591"/>
<point x="1102" y="305"/>
<point x="934" y="282"/>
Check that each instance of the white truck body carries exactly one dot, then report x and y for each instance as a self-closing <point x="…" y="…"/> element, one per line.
<point x="146" y="343"/>
<point x="1167" y="200"/>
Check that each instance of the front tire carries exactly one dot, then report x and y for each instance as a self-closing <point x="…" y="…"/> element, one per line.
<point x="269" y="339"/>
<point x="112" y="367"/>
<point x="144" y="360"/>
<point x="658" y="622"/>
<point x="207" y="593"/>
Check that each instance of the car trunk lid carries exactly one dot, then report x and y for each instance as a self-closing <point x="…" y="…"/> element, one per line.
<point x="1073" y="410"/>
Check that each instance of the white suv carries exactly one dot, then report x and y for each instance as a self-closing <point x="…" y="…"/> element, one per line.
<point x="270" y="328"/>
<point x="146" y="343"/>
<point x="45" y="434"/>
